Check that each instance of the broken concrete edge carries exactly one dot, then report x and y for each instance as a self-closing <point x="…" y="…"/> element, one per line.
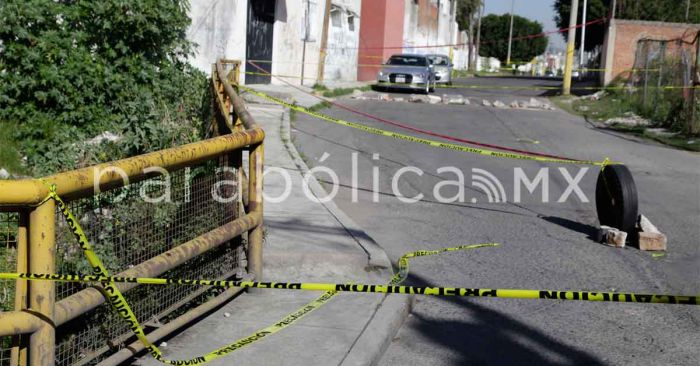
<point x="393" y="310"/>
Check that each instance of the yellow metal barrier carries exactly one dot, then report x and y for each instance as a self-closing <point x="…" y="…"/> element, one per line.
<point x="37" y="313"/>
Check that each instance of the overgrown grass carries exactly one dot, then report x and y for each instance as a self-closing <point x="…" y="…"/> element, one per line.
<point x="337" y="92"/>
<point x="617" y="105"/>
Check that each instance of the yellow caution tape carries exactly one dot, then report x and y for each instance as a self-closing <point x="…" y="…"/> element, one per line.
<point x="122" y="307"/>
<point x="433" y="143"/>
<point x="380" y="289"/>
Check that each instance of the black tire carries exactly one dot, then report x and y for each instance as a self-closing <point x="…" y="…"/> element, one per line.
<point x="616" y="199"/>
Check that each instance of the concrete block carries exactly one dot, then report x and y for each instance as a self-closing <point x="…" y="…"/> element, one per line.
<point x="652" y="241"/>
<point x="486" y="103"/>
<point x="434" y="99"/>
<point x="534" y="103"/>
<point x="612" y="236"/>
<point x="399" y="99"/>
<point x="499" y="104"/>
<point x="455" y="100"/>
<point x="385" y="97"/>
<point x="466" y="101"/>
<point x="514" y="104"/>
<point x="414" y="98"/>
<point x="650" y="238"/>
<point x="645" y="225"/>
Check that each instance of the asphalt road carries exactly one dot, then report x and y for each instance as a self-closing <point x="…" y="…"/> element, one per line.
<point x="545" y="245"/>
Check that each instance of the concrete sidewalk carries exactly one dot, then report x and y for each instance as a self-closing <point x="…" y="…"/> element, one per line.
<point x="310" y="242"/>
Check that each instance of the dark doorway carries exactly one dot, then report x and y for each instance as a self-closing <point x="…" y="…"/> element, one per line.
<point x="261" y="22"/>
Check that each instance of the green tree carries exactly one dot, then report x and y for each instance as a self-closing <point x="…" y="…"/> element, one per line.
<point x="71" y="69"/>
<point x="655" y="10"/>
<point x="494" y="37"/>
<point x="466" y="12"/>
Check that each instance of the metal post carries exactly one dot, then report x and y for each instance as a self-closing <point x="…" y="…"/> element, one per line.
<point x="478" y="37"/>
<point x="255" y="205"/>
<point x="42" y="250"/>
<point x="570" y="48"/>
<point x="324" y="43"/>
<point x="18" y="355"/>
<point x="510" y="35"/>
<point x="583" y="37"/>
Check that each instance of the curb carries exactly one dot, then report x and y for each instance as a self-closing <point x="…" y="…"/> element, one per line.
<point x="390" y="314"/>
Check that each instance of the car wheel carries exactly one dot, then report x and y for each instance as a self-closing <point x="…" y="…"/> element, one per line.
<point x="616" y="199"/>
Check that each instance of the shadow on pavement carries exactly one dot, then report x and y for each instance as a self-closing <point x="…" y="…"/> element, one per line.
<point x="579" y="227"/>
<point x="489" y="337"/>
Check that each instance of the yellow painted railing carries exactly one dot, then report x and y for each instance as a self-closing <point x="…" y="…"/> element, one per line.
<point x="38" y="313"/>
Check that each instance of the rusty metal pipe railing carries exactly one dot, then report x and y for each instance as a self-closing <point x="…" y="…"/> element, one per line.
<point x="236" y="101"/>
<point x="18" y="322"/>
<point x="88" y="299"/>
<point x="38" y="314"/>
<point x="42" y="250"/>
<point x="81" y="182"/>
<point x="134" y="348"/>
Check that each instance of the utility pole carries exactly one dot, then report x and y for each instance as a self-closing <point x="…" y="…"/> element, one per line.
<point x="583" y="37"/>
<point x="694" y="123"/>
<point x="510" y="36"/>
<point x="478" y="36"/>
<point x="324" y="43"/>
<point x="570" y="48"/>
<point x="687" y="11"/>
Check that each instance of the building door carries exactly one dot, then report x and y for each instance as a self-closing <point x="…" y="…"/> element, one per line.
<point x="261" y="22"/>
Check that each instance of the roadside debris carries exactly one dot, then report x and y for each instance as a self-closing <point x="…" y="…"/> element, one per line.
<point x="104" y="136"/>
<point x="661" y="132"/>
<point x="415" y="98"/>
<point x="650" y="238"/>
<point x="612" y="236"/>
<point x="629" y="119"/>
<point x="4" y="174"/>
<point x="499" y="104"/>
<point x="434" y="99"/>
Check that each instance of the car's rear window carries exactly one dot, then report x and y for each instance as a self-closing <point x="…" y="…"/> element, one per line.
<point x="439" y="60"/>
<point x="408" y="61"/>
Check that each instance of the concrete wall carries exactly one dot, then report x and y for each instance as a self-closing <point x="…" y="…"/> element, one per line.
<point x="288" y="46"/>
<point x="381" y="26"/>
<point x="343" y="41"/>
<point x="219" y="29"/>
<point x="429" y="23"/>
<point x="621" y="40"/>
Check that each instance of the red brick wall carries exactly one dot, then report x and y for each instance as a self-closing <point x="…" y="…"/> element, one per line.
<point x="381" y="25"/>
<point x="629" y="32"/>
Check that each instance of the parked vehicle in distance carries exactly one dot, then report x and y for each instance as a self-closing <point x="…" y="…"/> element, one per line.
<point x="407" y="71"/>
<point x="442" y="68"/>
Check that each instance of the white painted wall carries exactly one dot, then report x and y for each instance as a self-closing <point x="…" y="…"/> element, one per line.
<point x="343" y="40"/>
<point x="219" y="29"/>
<point x="417" y="34"/>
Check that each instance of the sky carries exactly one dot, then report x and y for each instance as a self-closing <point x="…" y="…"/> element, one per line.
<point x="539" y="10"/>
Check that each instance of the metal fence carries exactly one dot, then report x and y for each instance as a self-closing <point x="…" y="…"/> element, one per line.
<point x="200" y="217"/>
<point x="663" y="81"/>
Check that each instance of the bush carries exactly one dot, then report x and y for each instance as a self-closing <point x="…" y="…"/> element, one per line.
<point x="70" y="70"/>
